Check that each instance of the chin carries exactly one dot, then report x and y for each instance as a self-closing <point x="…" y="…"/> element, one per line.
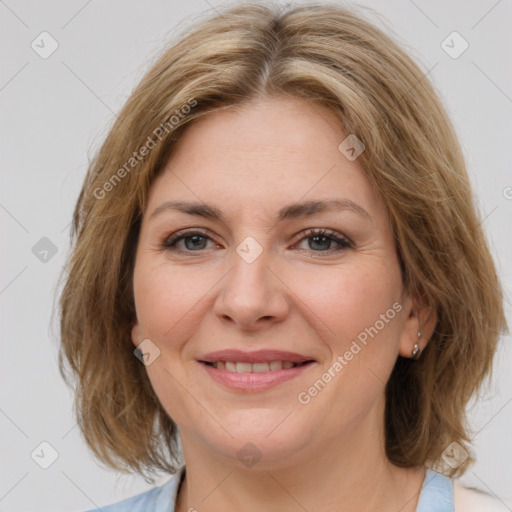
<point x="255" y="446"/>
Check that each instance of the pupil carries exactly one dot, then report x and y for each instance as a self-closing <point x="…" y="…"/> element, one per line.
<point x="196" y="241"/>
<point x="325" y="239"/>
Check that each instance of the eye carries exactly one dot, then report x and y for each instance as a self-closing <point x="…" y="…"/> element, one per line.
<point x="321" y="240"/>
<point x="194" y="241"/>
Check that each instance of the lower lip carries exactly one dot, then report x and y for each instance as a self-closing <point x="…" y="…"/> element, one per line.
<point x="254" y="381"/>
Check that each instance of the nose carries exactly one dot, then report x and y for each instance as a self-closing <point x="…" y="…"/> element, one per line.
<point x="253" y="295"/>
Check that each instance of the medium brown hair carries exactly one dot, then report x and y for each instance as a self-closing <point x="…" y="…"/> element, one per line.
<point x="326" y="55"/>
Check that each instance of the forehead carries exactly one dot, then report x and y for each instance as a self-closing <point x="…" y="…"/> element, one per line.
<point x="268" y="153"/>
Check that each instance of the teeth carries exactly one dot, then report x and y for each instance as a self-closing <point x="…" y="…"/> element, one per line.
<point x="230" y="366"/>
<point x="262" y="367"/>
<point x="243" y="367"/>
<point x="276" y="365"/>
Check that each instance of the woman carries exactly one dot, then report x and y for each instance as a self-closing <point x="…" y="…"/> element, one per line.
<point x="277" y="256"/>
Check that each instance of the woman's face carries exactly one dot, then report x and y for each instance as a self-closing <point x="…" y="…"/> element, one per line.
<point x="253" y="274"/>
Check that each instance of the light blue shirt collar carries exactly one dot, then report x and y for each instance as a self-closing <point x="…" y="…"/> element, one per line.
<point x="436" y="496"/>
<point x="436" y="493"/>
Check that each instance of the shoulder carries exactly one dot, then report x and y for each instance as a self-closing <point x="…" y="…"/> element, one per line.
<point x="471" y="500"/>
<point x="157" y="499"/>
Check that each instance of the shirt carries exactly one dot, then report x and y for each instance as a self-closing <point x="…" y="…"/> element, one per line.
<point x="436" y="496"/>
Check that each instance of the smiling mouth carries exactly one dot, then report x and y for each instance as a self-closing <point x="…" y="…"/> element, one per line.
<point x="258" y="367"/>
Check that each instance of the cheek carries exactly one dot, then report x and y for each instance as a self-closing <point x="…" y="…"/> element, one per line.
<point x="164" y="297"/>
<point x="164" y="300"/>
<point x="361" y="306"/>
<point x="351" y="298"/>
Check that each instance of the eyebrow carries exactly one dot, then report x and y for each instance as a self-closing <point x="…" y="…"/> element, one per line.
<point x="290" y="211"/>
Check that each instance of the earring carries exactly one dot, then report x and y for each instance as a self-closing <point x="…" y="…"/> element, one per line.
<point x="416" y="349"/>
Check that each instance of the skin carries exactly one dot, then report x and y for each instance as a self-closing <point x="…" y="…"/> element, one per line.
<point x="293" y="297"/>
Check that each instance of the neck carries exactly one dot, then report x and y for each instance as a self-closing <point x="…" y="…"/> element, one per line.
<point x="352" y="475"/>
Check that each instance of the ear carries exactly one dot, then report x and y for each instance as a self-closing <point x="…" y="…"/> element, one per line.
<point x="136" y="338"/>
<point x="420" y="318"/>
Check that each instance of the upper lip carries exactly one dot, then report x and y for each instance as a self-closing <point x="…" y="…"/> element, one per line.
<point x="257" y="356"/>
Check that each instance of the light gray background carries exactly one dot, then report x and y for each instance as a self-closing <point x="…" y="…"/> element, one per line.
<point x="54" y="113"/>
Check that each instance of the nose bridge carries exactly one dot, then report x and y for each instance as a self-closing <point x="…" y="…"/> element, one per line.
<point x="251" y="291"/>
<point x="248" y="281"/>
<point x="250" y="264"/>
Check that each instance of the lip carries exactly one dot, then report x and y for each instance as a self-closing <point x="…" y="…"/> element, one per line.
<point x="257" y="356"/>
<point x="254" y="381"/>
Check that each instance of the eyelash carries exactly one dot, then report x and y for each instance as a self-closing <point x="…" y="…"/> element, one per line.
<point x="170" y="242"/>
